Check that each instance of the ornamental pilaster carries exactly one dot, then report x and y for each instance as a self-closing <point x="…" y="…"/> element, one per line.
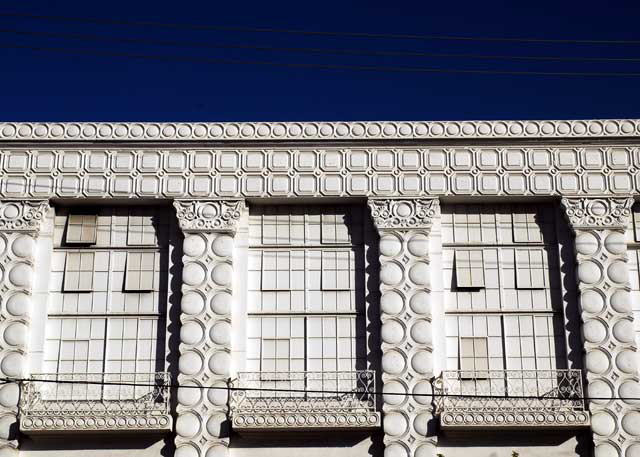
<point x="202" y="427"/>
<point x="20" y="223"/>
<point x="407" y="347"/>
<point x="607" y="322"/>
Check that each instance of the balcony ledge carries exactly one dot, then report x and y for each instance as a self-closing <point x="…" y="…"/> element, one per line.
<point x="32" y="424"/>
<point x="316" y="401"/>
<point x="61" y="403"/>
<point x="514" y="420"/>
<point x="511" y="399"/>
<point x="251" y="421"/>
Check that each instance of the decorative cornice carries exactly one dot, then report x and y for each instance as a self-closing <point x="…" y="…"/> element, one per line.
<point x="208" y="216"/>
<point x="274" y="131"/>
<point x="24" y="216"/>
<point x="585" y="213"/>
<point x="403" y="213"/>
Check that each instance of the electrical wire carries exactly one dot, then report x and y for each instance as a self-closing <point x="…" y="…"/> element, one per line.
<point x="309" y="32"/>
<point x="307" y="50"/>
<point x="305" y="391"/>
<point x="363" y="68"/>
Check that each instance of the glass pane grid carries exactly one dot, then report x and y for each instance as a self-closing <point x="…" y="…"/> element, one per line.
<point x="81" y="229"/>
<point x="105" y="318"/>
<point x="520" y="275"/>
<point x="304" y="260"/>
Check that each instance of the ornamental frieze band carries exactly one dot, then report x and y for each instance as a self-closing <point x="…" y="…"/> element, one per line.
<point x="389" y="171"/>
<point x="317" y="130"/>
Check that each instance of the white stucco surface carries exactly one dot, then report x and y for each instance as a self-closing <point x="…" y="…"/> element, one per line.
<point x="327" y="447"/>
<point x="488" y="259"/>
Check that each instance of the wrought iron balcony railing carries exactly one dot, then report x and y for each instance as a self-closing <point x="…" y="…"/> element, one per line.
<point x="511" y="398"/>
<point x="304" y="400"/>
<point x="95" y="402"/>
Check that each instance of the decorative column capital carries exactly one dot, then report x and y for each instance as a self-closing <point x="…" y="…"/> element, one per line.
<point x="405" y="213"/>
<point x="208" y="215"/>
<point x="22" y="215"/>
<point x="598" y="213"/>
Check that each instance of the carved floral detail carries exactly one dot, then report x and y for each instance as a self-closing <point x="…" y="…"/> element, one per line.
<point x="405" y="213"/>
<point x="218" y="215"/>
<point x="22" y="215"/>
<point x="598" y="212"/>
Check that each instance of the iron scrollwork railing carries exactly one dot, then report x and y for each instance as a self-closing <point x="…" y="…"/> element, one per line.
<point x="511" y="398"/>
<point x="304" y="399"/>
<point x="95" y="401"/>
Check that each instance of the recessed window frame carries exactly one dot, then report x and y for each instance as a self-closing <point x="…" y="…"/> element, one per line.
<point x="314" y="246"/>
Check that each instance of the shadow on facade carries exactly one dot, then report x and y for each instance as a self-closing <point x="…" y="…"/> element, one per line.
<point x="172" y="283"/>
<point x="96" y="445"/>
<point x="306" y="443"/>
<point x="570" y="293"/>
<point x="564" y="443"/>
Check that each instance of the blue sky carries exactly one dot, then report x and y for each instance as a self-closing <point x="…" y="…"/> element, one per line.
<point x="79" y="82"/>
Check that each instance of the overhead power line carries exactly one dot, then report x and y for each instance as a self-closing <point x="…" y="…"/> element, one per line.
<point x="310" y="32"/>
<point x="348" y="52"/>
<point x="362" y="68"/>
<point x="305" y="391"/>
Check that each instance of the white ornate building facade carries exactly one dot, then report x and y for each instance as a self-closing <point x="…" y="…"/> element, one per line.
<point x="396" y="289"/>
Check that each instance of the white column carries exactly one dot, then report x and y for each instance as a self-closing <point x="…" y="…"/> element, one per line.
<point x="608" y="330"/>
<point x="407" y="347"/>
<point x="20" y="223"/>
<point x="202" y="427"/>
